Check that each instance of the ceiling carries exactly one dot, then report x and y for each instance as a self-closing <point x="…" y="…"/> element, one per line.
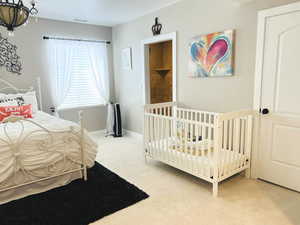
<point x="99" y="12"/>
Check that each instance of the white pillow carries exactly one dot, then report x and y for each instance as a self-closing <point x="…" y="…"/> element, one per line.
<point x="29" y="98"/>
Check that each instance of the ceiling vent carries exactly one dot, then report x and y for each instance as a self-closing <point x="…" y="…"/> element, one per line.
<point x="241" y="2"/>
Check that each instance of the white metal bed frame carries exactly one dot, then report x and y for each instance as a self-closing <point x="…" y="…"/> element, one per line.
<point x="211" y="146"/>
<point x="16" y="144"/>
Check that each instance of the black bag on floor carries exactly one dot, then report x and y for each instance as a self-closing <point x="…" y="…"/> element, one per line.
<point x="118" y="121"/>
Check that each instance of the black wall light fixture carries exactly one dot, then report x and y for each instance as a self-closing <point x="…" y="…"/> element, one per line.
<point x="13" y="13"/>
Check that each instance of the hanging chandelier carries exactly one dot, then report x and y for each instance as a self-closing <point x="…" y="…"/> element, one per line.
<point x="13" y="13"/>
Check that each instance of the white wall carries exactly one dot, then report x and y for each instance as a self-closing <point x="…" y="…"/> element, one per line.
<point x="190" y="18"/>
<point x="32" y="50"/>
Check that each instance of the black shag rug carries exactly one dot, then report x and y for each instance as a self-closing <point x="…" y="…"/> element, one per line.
<point x="78" y="203"/>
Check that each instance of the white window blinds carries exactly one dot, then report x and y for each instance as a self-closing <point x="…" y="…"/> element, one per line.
<point x="82" y="91"/>
<point x="80" y="75"/>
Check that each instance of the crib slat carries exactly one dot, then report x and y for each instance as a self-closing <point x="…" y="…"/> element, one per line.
<point x="218" y="132"/>
<point x="151" y="135"/>
<point x="160" y="147"/>
<point x="193" y="150"/>
<point x="172" y="138"/>
<point x="185" y="146"/>
<point x="209" y="142"/>
<point x="249" y="139"/>
<point x="189" y="145"/>
<point x="176" y="128"/>
<point x="204" y="152"/>
<point x="224" y="150"/>
<point x="192" y="145"/>
<point x="231" y="158"/>
<point x="236" y="143"/>
<point x="197" y="150"/>
<point x="166" y="139"/>
<point x="228" y="148"/>
<point x="157" y="136"/>
<point x="168" y="128"/>
<point x="146" y="133"/>
<point x="181" y="145"/>
<point x="162" y="139"/>
<point x="156" y="133"/>
<point x="222" y="159"/>
<point x="242" y="148"/>
<point x="154" y="136"/>
<point x="245" y="142"/>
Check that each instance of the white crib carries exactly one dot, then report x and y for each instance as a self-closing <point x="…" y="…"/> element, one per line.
<point x="211" y="146"/>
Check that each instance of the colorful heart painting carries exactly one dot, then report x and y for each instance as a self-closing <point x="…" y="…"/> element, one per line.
<point x="211" y="55"/>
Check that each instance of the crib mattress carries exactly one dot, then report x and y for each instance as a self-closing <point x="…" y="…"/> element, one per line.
<point x="193" y="159"/>
<point x="191" y="147"/>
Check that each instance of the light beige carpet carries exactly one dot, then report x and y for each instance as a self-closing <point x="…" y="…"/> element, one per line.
<point x="177" y="198"/>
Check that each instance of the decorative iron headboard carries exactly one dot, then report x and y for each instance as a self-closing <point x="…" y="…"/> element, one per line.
<point x="6" y="87"/>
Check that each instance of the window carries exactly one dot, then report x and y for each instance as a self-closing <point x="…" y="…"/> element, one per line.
<point x="80" y="74"/>
<point x="82" y="91"/>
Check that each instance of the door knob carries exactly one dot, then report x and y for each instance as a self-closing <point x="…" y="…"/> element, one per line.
<point x="265" y="111"/>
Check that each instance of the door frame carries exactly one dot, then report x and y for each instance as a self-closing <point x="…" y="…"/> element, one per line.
<point x="261" y="29"/>
<point x="145" y="63"/>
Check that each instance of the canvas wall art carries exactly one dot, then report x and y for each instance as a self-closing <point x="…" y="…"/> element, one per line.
<point x="211" y="55"/>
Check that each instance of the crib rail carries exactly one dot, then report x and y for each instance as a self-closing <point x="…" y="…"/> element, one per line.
<point x="235" y="142"/>
<point x="195" y="115"/>
<point x="165" y="109"/>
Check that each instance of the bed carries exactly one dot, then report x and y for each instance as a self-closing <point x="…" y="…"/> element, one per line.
<point x="41" y="153"/>
<point x="212" y="146"/>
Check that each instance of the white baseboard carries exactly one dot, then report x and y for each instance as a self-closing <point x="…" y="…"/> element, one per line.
<point x="98" y="132"/>
<point x="126" y="133"/>
<point x="133" y="134"/>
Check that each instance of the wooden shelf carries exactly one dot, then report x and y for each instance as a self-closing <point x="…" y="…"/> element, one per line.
<point x="162" y="69"/>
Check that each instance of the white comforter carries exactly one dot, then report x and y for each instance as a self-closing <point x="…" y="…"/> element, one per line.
<point x="28" y="151"/>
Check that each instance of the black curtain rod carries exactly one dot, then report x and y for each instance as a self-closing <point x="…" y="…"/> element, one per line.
<point x="70" y="39"/>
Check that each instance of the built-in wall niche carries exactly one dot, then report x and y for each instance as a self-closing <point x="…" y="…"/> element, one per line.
<point x="161" y="83"/>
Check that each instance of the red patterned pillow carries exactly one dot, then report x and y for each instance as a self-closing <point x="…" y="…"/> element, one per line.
<point x="24" y="111"/>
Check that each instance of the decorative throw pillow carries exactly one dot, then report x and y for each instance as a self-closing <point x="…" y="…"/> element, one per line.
<point x="28" y="98"/>
<point x="24" y="111"/>
<point x="5" y="100"/>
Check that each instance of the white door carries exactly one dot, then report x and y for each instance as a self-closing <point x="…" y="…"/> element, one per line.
<point x="280" y="94"/>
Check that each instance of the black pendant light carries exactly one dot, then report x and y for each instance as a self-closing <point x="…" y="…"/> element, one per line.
<point x="13" y="13"/>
